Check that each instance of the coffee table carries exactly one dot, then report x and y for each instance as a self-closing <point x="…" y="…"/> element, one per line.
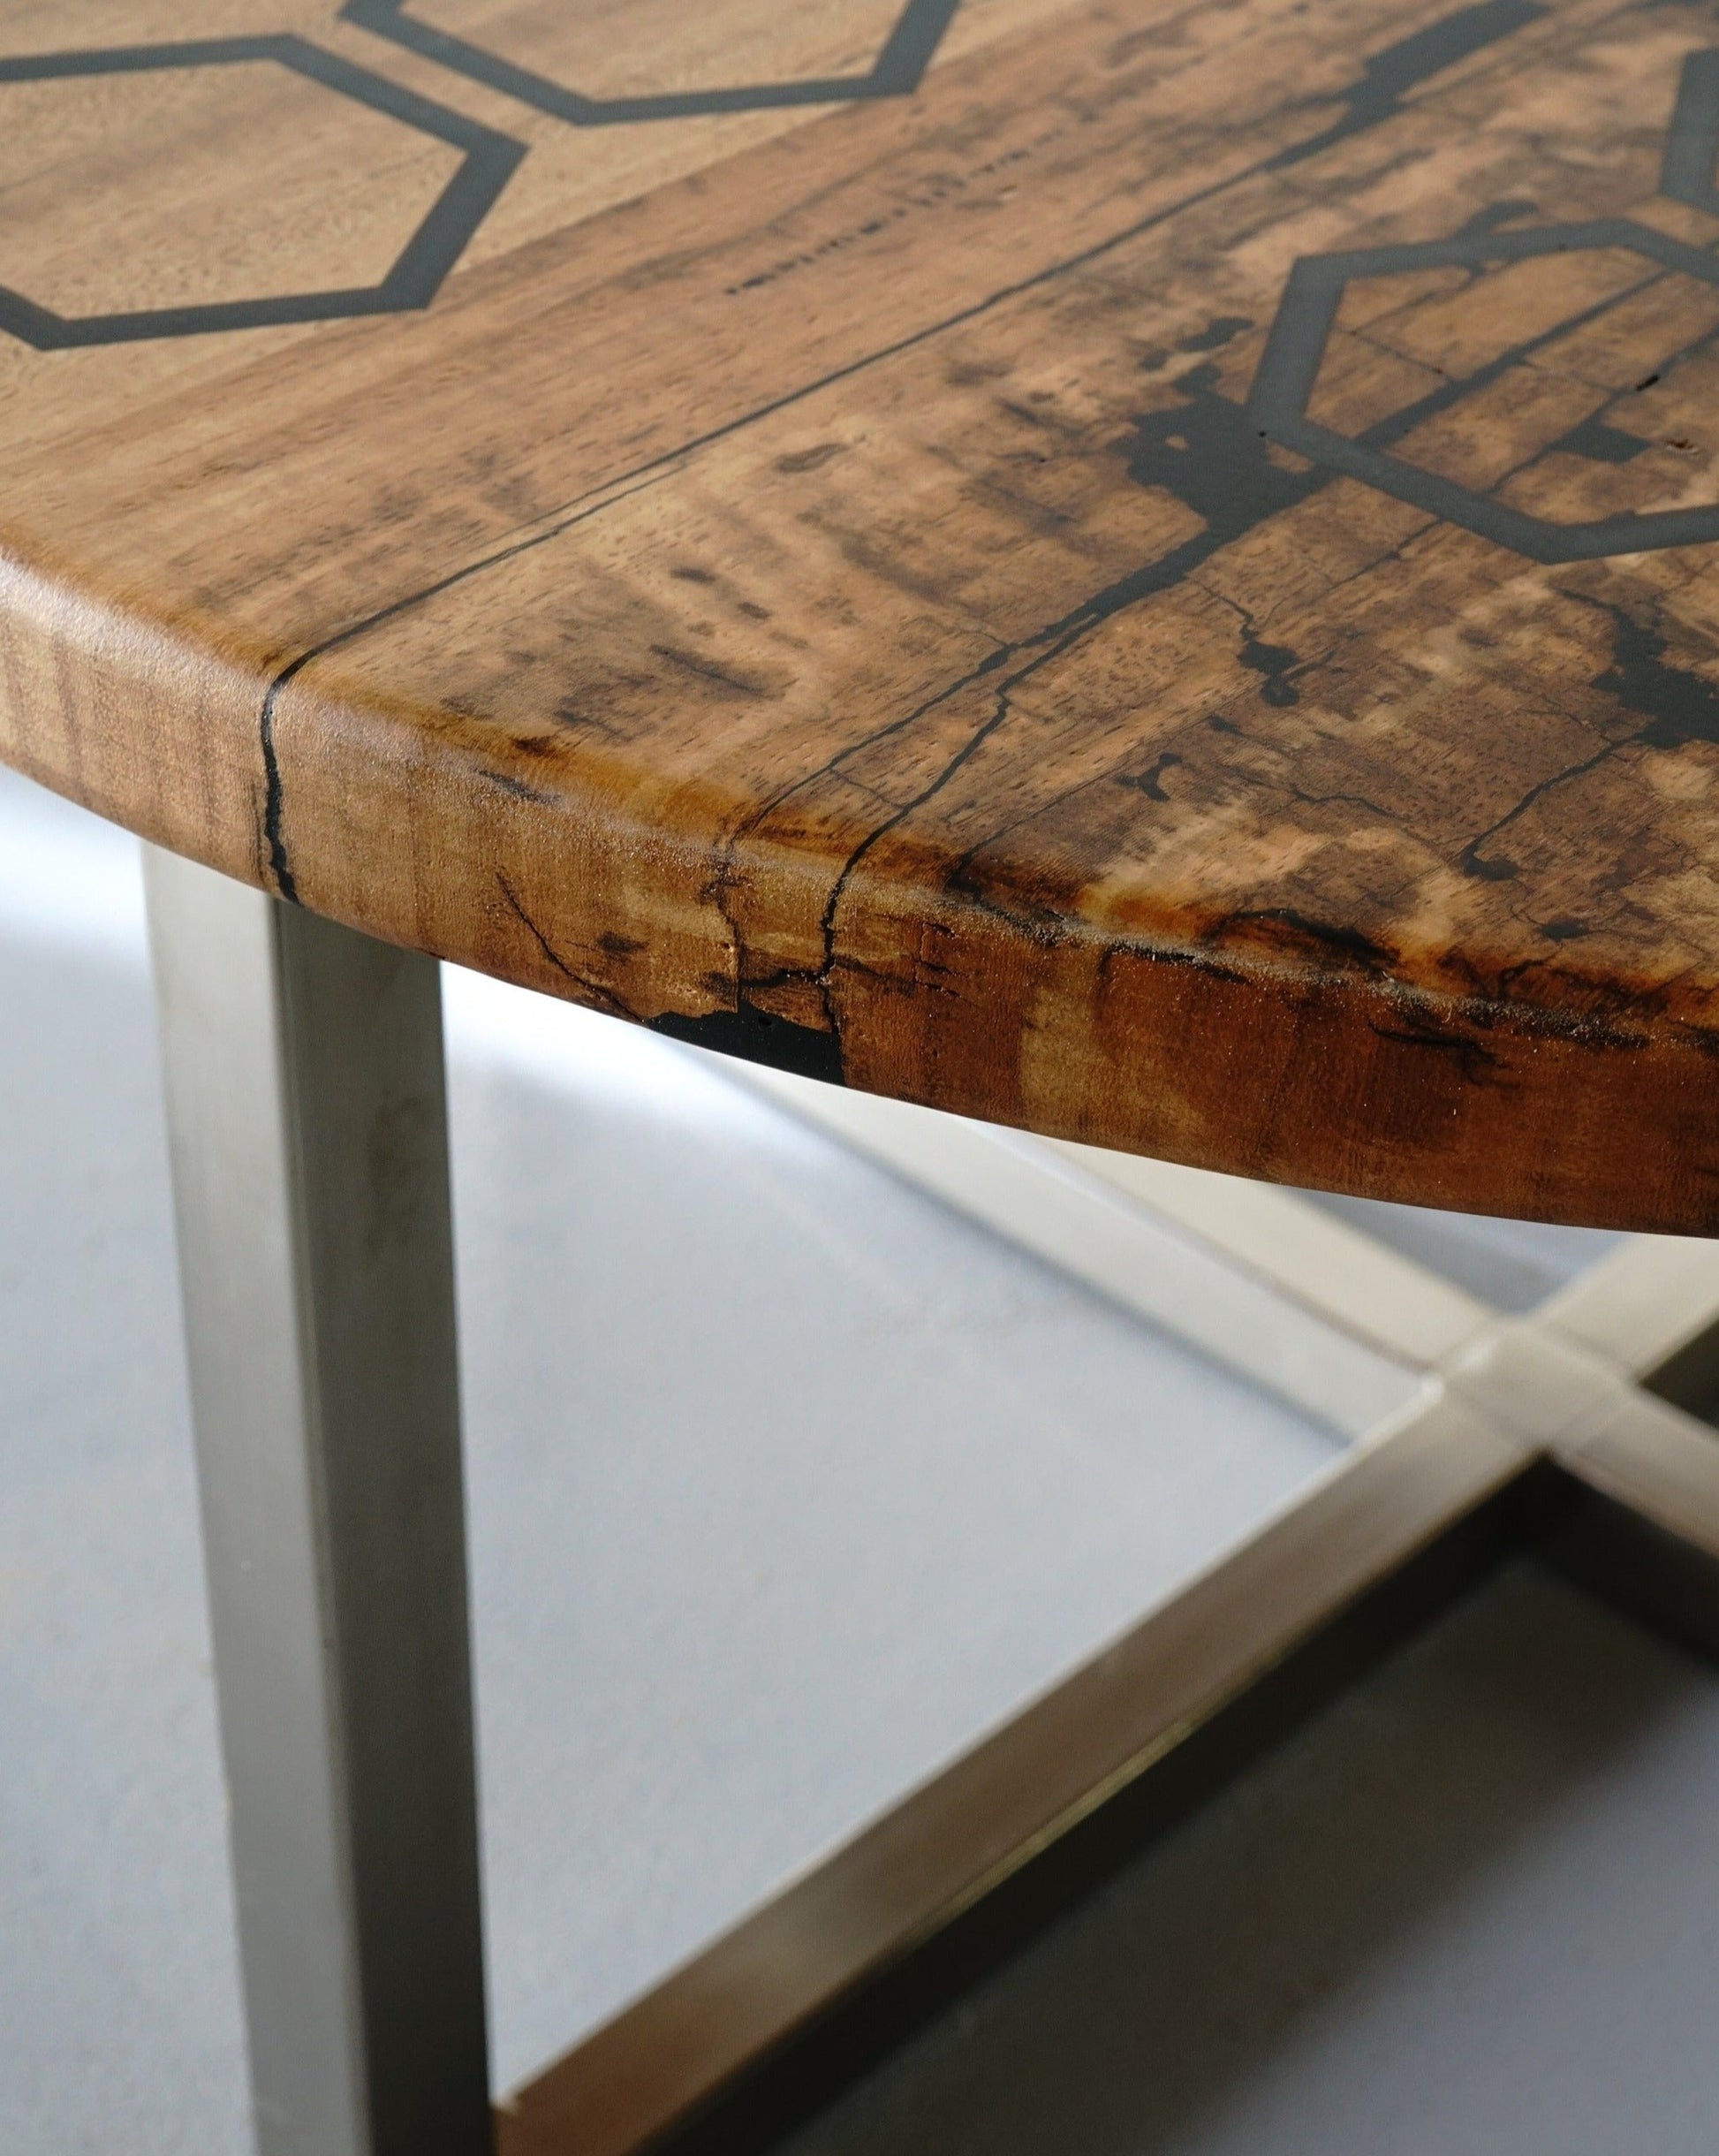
<point x="1140" y="572"/>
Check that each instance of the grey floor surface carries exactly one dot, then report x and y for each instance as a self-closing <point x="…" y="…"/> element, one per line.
<point x="785" y="1482"/>
<point x="1473" y="1911"/>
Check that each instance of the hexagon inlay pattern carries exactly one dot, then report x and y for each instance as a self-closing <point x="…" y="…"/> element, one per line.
<point x="901" y="62"/>
<point x="1295" y="351"/>
<point x="217" y="287"/>
<point x="1289" y="379"/>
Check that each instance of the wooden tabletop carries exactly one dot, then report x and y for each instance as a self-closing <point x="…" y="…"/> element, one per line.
<point x="1147" y="570"/>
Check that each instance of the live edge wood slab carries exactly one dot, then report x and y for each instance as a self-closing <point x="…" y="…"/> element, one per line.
<point x="1149" y="571"/>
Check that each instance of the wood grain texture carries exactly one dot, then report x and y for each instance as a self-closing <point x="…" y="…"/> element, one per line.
<point x="1162" y="585"/>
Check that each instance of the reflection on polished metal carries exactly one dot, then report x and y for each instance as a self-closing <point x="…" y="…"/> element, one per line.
<point x="309" y="1130"/>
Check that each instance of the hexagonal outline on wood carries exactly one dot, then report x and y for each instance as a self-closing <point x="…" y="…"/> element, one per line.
<point x="1295" y="350"/>
<point x="906" y="52"/>
<point x="418" y="272"/>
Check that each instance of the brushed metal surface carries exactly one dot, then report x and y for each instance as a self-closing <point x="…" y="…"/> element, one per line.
<point x="307" y="1131"/>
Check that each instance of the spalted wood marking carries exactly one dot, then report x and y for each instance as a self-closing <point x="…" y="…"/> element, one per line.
<point x="1161" y="585"/>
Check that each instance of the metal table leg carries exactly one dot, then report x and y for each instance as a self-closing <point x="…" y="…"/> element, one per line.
<point x="306" y="1112"/>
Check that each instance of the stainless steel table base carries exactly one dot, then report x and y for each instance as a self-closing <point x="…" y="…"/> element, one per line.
<point x="305" y="1085"/>
<point x="306" y="1112"/>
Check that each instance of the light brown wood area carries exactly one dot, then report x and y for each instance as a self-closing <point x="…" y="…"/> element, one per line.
<point x="1149" y="571"/>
